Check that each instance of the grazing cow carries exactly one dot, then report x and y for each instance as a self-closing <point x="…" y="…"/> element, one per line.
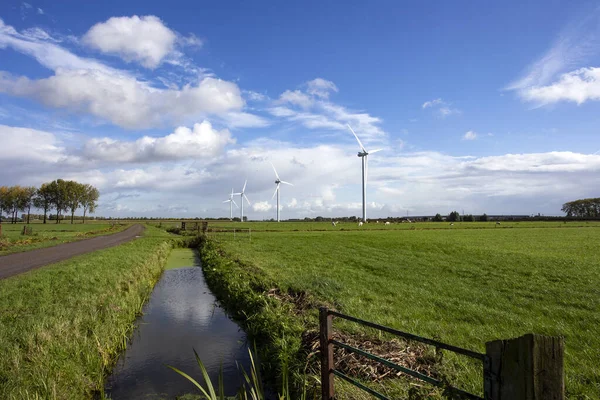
<point x="360" y="223"/>
<point x="497" y="222"/>
<point x="333" y="223"/>
<point x="387" y="222"/>
<point x="451" y="223"/>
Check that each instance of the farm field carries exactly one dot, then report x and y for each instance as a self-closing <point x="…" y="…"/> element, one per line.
<point x="51" y="234"/>
<point x="462" y="286"/>
<point x="63" y="326"/>
<point x="345" y="226"/>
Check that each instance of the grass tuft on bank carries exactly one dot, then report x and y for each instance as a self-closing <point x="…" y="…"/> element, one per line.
<point x="62" y="326"/>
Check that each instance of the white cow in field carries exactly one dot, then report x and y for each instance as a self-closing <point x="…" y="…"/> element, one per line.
<point x="497" y="222"/>
<point x="387" y="222"/>
<point x="360" y="223"/>
<point x="333" y="223"/>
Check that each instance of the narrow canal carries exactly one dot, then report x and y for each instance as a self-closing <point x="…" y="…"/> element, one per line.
<point x="182" y="315"/>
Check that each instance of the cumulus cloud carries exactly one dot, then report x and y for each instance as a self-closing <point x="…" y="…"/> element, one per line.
<point x="29" y="145"/>
<point x="203" y="141"/>
<point x="326" y="177"/>
<point x="470" y="135"/>
<point x="432" y="103"/>
<point x="554" y="77"/>
<point x="577" y="86"/>
<point x="86" y="85"/>
<point x="262" y="206"/>
<point x="125" y="101"/>
<point x="145" y="40"/>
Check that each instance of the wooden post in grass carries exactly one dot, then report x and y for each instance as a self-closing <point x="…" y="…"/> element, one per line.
<point x="530" y="367"/>
<point x="326" y="354"/>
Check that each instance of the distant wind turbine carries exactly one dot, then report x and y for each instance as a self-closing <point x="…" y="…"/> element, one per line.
<point x="363" y="154"/>
<point x="231" y="203"/>
<point x="278" y="181"/>
<point x="242" y="197"/>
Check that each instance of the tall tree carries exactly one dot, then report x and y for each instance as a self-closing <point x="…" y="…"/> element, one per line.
<point x="453" y="216"/>
<point x="89" y="200"/>
<point x="27" y="200"/>
<point x="74" y="195"/>
<point x="3" y="203"/>
<point x="58" y="188"/>
<point x="584" y="208"/>
<point x="43" y="199"/>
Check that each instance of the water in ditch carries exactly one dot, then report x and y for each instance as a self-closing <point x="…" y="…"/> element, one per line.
<point x="182" y="315"/>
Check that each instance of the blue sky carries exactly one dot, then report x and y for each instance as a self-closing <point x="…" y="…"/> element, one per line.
<point x="167" y="105"/>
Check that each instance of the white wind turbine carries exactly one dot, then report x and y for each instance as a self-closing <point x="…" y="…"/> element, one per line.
<point x="278" y="181"/>
<point x="231" y="203"/>
<point x="363" y="154"/>
<point x="242" y="197"/>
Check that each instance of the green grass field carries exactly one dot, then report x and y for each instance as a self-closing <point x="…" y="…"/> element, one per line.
<point x="463" y="286"/>
<point x="47" y="235"/>
<point x="62" y="326"/>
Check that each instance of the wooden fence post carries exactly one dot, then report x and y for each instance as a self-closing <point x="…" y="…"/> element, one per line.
<point x="326" y="354"/>
<point x="530" y="367"/>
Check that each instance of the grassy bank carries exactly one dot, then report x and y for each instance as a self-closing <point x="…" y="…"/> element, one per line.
<point x="272" y="325"/>
<point x="463" y="286"/>
<point x="47" y="235"/>
<point x="62" y="326"/>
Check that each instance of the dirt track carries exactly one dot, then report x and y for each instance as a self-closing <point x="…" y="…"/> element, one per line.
<point x="17" y="263"/>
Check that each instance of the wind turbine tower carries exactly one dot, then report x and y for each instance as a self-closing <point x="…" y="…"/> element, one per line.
<point x="242" y="197"/>
<point x="363" y="154"/>
<point x="231" y="203"/>
<point x="278" y="182"/>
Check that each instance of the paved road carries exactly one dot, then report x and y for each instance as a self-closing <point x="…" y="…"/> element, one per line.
<point x="17" y="263"/>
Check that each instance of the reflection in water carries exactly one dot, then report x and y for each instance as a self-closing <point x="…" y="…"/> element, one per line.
<point x="182" y="314"/>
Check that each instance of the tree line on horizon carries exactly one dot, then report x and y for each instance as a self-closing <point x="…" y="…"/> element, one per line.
<point x="583" y="208"/>
<point x="60" y="195"/>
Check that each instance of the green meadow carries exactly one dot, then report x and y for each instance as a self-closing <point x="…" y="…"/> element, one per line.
<point x="462" y="285"/>
<point x="63" y="326"/>
<point x="50" y="234"/>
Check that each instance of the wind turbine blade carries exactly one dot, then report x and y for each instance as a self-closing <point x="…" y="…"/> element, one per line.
<point x="375" y="151"/>
<point x="232" y="191"/>
<point x="226" y="201"/>
<point x="235" y="194"/>
<point x="276" y="174"/>
<point x="287" y="183"/>
<point x="275" y="192"/>
<point x="357" y="139"/>
<point x="233" y="201"/>
<point x="244" y="189"/>
<point x="246" y="198"/>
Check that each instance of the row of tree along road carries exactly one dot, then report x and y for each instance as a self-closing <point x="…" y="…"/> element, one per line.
<point x="59" y="195"/>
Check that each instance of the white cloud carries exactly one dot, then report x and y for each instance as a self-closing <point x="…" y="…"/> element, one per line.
<point x="297" y="98"/>
<point x="320" y="87"/>
<point x="145" y="40"/>
<point x="555" y="77"/>
<point x="125" y="101"/>
<point x="442" y="108"/>
<point x="23" y="145"/>
<point x="313" y="110"/>
<point x="577" y="86"/>
<point x="202" y="142"/>
<point x="86" y="85"/>
<point x="470" y="135"/>
<point x="326" y="178"/>
<point x="262" y="206"/>
<point x="432" y="103"/>
<point x="40" y="11"/>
